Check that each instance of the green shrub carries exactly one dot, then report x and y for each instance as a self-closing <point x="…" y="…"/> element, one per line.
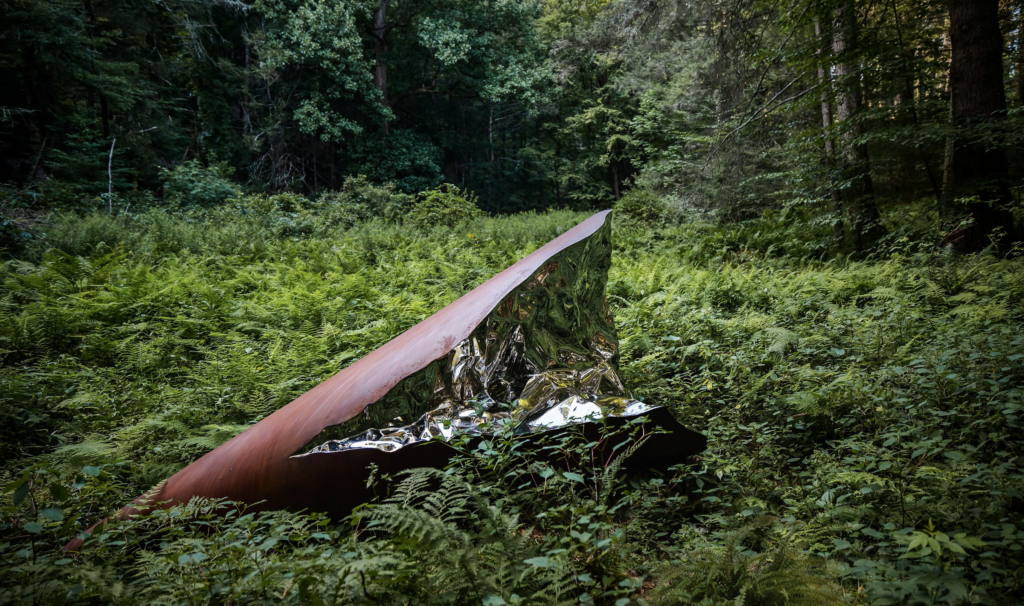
<point x="358" y="201"/>
<point x="285" y="215"/>
<point x="640" y="206"/>
<point x="192" y="184"/>
<point x="445" y="205"/>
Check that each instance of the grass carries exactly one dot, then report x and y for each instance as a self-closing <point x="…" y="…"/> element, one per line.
<point x="862" y="416"/>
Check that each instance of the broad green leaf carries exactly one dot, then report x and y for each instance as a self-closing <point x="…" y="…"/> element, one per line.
<point x="52" y="514"/>
<point x="20" y="493"/>
<point x="58" y="492"/>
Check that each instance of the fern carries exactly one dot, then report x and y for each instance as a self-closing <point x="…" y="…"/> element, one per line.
<point x="85" y="451"/>
<point x="856" y="396"/>
<point x="780" y="339"/>
<point x="212" y="436"/>
<point x="728" y="574"/>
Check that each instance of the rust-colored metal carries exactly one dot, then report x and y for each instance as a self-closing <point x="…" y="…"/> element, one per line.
<point x="259" y="465"/>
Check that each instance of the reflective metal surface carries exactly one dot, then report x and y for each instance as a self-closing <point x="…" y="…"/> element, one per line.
<point x="534" y="346"/>
<point x="543" y="358"/>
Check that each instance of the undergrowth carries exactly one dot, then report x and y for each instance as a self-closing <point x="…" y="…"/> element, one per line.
<point x="862" y="416"/>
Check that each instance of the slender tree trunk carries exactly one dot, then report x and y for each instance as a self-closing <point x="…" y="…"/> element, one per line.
<point x="501" y="164"/>
<point x="830" y="145"/>
<point x="33" y="102"/>
<point x="947" y="169"/>
<point x="615" y="179"/>
<point x="859" y="194"/>
<point x="490" y="132"/>
<point x="380" y="49"/>
<point x="907" y="97"/>
<point x="490" y="152"/>
<point x="558" y="176"/>
<point x="978" y="93"/>
<point x="246" y="95"/>
<point x="104" y="111"/>
<point x="110" y="176"/>
<point x="334" y="182"/>
<point x="1020" y="54"/>
<point x="947" y="158"/>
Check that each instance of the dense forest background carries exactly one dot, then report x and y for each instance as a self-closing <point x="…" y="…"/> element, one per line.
<point x="730" y="106"/>
<point x="207" y="207"/>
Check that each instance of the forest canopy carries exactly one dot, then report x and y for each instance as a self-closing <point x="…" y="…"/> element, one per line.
<point x="725" y="106"/>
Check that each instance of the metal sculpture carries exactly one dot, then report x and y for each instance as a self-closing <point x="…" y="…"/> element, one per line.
<point x="534" y="346"/>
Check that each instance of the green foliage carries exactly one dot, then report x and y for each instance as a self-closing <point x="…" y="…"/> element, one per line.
<point x="870" y="406"/>
<point x="192" y="184"/>
<point x="403" y="157"/>
<point x="733" y="575"/>
<point x="323" y="38"/>
<point x="359" y="201"/>
<point x="642" y="207"/>
<point x="444" y="206"/>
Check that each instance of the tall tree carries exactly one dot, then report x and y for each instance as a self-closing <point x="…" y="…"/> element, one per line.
<point x="979" y="166"/>
<point x="1020" y="54"/>
<point x="826" y="124"/>
<point x="858" y="191"/>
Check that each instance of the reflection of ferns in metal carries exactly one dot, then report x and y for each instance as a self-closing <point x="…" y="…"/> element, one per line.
<point x="212" y="436"/>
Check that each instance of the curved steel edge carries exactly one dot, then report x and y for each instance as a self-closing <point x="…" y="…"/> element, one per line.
<point x="256" y="465"/>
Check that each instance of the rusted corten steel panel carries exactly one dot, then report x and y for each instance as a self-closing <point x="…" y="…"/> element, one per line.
<point x="534" y="348"/>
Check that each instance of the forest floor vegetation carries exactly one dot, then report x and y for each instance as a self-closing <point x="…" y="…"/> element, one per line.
<point x="863" y="415"/>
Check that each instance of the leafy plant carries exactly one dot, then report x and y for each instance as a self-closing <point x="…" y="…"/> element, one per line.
<point x="640" y="206"/>
<point x="192" y="184"/>
<point x="359" y="200"/>
<point x="731" y="574"/>
<point x="445" y="206"/>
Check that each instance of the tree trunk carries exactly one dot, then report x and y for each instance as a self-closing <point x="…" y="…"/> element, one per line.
<point x="1020" y="54"/>
<point x="490" y="132"/>
<point x="947" y="170"/>
<point x="380" y="49"/>
<point x="34" y="103"/>
<point x="246" y="95"/>
<point x="978" y="94"/>
<point x="907" y="96"/>
<point x="947" y="156"/>
<point x="334" y="181"/>
<point x="830" y="145"/>
<point x="859" y="194"/>
<point x="90" y="14"/>
<point x="615" y="179"/>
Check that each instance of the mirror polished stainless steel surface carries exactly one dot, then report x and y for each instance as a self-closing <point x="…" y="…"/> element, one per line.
<point x="534" y="346"/>
<point x="543" y="358"/>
